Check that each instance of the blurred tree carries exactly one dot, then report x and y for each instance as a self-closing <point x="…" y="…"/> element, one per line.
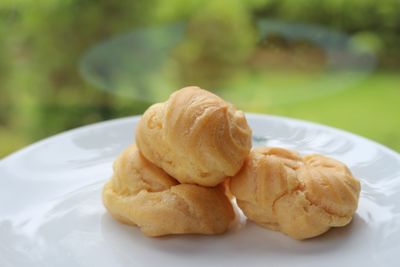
<point x="380" y="18"/>
<point x="48" y="39"/>
<point x="205" y="58"/>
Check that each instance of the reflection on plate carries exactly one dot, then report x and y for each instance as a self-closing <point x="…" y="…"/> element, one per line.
<point x="150" y="63"/>
<point x="51" y="212"/>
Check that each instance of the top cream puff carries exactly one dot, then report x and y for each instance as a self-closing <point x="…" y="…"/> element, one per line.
<point x="195" y="136"/>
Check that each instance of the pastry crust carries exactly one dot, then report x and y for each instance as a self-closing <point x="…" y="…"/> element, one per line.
<point x="139" y="193"/>
<point x="301" y="196"/>
<point x="195" y="136"/>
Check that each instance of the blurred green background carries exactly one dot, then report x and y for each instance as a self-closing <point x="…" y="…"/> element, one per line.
<point x="60" y="68"/>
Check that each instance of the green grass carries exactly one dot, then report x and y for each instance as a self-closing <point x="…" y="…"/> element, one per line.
<point x="370" y="108"/>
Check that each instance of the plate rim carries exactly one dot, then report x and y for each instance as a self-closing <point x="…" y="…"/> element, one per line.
<point x="343" y="132"/>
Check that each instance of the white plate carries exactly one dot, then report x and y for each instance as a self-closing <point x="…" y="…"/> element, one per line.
<point x="51" y="212"/>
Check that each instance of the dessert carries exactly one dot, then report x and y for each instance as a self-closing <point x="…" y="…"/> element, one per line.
<point x="139" y="193"/>
<point x="195" y="136"/>
<point x="192" y="157"/>
<point x="300" y="196"/>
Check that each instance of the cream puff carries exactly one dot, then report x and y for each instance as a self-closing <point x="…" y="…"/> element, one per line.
<point x="139" y="193"/>
<point x="195" y="136"/>
<point x="300" y="196"/>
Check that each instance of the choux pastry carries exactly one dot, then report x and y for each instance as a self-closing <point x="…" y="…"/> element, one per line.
<point x="301" y="196"/>
<point x="195" y="136"/>
<point x="139" y="193"/>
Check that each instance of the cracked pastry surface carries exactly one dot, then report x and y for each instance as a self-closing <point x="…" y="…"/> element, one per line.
<point x="139" y="193"/>
<point x="300" y="196"/>
<point x="195" y="136"/>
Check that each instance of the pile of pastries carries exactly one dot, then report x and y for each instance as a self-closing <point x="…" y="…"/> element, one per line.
<point x="193" y="157"/>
